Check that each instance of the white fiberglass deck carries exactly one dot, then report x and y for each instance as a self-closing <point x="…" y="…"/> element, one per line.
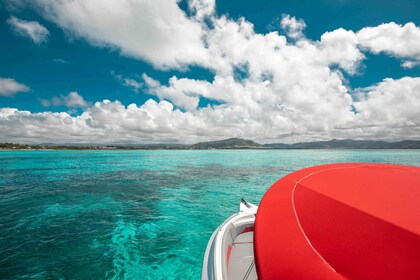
<point x="230" y="251"/>
<point x="241" y="263"/>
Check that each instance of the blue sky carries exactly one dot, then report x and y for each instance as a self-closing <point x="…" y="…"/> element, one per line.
<point x="78" y="61"/>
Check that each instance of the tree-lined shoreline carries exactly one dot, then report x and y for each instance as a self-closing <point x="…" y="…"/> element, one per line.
<point x="229" y="144"/>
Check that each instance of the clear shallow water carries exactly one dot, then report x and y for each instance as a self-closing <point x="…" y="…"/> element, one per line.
<point x="134" y="214"/>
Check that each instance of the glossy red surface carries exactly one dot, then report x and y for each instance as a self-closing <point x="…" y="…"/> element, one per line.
<point x="341" y="221"/>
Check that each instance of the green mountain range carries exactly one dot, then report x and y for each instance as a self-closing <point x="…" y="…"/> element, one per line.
<point x="231" y="143"/>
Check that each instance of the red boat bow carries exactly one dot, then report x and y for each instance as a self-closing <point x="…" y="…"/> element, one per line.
<point x="341" y="221"/>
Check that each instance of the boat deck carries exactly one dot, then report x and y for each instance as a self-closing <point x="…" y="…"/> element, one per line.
<point x="241" y="262"/>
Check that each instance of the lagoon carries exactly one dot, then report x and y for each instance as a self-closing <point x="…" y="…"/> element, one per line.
<point x="135" y="214"/>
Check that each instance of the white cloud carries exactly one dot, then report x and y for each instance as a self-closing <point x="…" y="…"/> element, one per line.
<point x="72" y="100"/>
<point x="128" y="82"/>
<point x="202" y="8"/>
<point x="157" y="31"/>
<point x="9" y="87"/>
<point x="391" y="38"/>
<point x="32" y="29"/>
<point x="59" y="61"/>
<point x="340" y="47"/>
<point x="135" y="85"/>
<point x="391" y="104"/>
<point x="183" y="95"/>
<point x="386" y="111"/>
<point x="293" y="27"/>
<point x="410" y="64"/>
<point x="104" y="122"/>
<point x="287" y="92"/>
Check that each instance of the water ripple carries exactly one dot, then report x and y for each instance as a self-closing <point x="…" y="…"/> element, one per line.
<point x="133" y="214"/>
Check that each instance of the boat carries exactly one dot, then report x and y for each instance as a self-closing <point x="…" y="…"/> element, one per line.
<point x="335" y="221"/>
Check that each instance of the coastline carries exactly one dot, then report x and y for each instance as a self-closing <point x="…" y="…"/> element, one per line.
<point x="227" y="144"/>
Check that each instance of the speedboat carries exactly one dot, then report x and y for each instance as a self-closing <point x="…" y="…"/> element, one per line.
<point x="230" y="251"/>
<point x="336" y="221"/>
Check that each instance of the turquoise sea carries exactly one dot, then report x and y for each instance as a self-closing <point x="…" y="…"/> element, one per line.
<point x="135" y="214"/>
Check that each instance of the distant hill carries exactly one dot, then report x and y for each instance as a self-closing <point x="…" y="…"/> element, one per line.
<point x="231" y="143"/>
<point x="237" y="143"/>
<point x="348" y="144"/>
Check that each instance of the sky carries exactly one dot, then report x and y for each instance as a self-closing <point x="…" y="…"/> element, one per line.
<point x="168" y="71"/>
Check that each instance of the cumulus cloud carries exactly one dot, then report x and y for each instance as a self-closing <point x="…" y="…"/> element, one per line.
<point x="31" y="29"/>
<point x="410" y="64"/>
<point x="72" y="100"/>
<point x="9" y="87"/>
<point x="266" y="87"/>
<point x="106" y="122"/>
<point x="386" y="110"/>
<point x="339" y="47"/>
<point x="293" y="27"/>
<point x="202" y="8"/>
<point x="182" y="93"/>
<point x="391" y="104"/>
<point x="394" y="39"/>
<point x="157" y="31"/>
